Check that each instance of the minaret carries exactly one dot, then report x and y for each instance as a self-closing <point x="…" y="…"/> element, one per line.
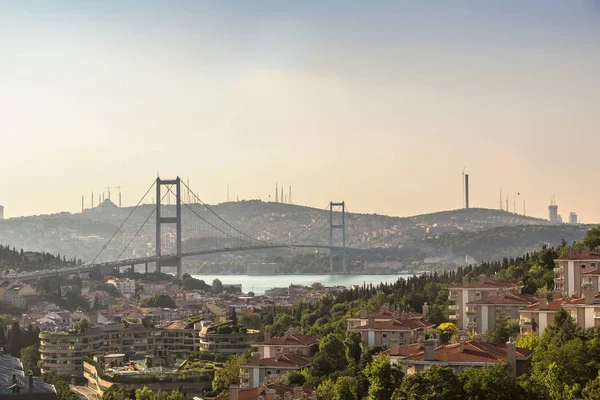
<point x="276" y="193"/>
<point x="507" y="210"/>
<point x="92" y="199"/>
<point x="500" y="199"/>
<point x="290" y="195"/>
<point x="82" y="205"/>
<point x="282" y="200"/>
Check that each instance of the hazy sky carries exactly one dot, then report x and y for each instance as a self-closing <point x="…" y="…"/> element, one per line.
<point x="378" y="103"/>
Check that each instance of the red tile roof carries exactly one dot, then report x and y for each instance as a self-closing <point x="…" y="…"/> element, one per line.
<point x="284" y="360"/>
<point x="553" y="305"/>
<point x="398" y="325"/>
<point x="592" y="255"/>
<point x="487" y="284"/>
<point x="254" y="394"/>
<point x="291" y="339"/>
<point x="404" y="351"/>
<point x="474" y="352"/>
<point x="507" y="298"/>
<point x="389" y="314"/>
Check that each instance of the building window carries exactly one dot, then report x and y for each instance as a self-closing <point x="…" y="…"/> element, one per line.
<point x="582" y="266"/>
<point x="477" y="294"/>
<point x="593" y="265"/>
<point x="385" y="335"/>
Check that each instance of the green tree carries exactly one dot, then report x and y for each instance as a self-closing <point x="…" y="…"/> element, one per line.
<point x="353" y="343"/>
<point x="490" y="383"/>
<point x="30" y="357"/>
<point x="447" y="330"/>
<point x="217" y="286"/>
<point x="251" y="321"/>
<point x="295" y="378"/>
<point x="503" y="330"/>
<point x="530" y="341"/>
<point x="591" y="390"/>
<point x="333" y="346"/>
<point x="592" y="238"/>
<point x="345" y="388"/>
<point x="228" y="375"/>
<point x="383" y="377"/>
<point x="15" y="340"/>
<point x="326" y="390"/>
<point x="64" y="392"/>
<point x="435" y="383"/>
<point x="159" y="300"/>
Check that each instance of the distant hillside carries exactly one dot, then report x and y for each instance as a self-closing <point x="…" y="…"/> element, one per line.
<point x="478" y="232"/>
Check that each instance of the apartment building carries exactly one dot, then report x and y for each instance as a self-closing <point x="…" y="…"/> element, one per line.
<point x="63" y="352"/>
<point x="570" y="272"/>
<point x="404" y="332"/>
<point x="468" y="291"/>
<point x="585" y="310"/>
<point x="271" y="391"/>
<point x="385" y="313"/>
<point x="291" y="342"/>
<point x="223" y="338"/>
<point x="536" y="317"/>
<point x="482" y="313"/>
<point x="468" y="354"/>
<point x="125" y="286"/>
<point x="260" y="370"/>
<point x="16" y="295"/>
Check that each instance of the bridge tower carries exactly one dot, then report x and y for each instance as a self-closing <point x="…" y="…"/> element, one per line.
<point x="337" y="207"/>
<point x="160" y="220"/>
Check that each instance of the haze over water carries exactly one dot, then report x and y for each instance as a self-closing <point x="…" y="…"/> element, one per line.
<point x="260" y="283"/>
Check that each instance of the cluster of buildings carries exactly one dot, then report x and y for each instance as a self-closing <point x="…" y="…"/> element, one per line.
<point x="475" y="306"/>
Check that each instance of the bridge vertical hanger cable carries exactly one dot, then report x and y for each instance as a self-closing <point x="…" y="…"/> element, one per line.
<point x="139" y="230"/>
<point x="215" y="227"/>
<point x="123" y="223"/>
<point x="219" y="217"/>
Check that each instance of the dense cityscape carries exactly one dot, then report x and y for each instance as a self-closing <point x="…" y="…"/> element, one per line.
<point x="299" y="200"/>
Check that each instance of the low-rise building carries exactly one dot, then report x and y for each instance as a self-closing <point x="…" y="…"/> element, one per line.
<point x="482" y="313"/>
<point x="16" y="294"/>
<point x="468" y="354"/>
<point x="380" y="333"/>
<point x="570" y="270"/>
<point x="224" y="338"/>
<point x="291" y="342"/>
<point x="125" y="286"/>
<point x="260" y="370"/>
<point x="17" y="384"/>
<point x="536" y="317"/>
<point x="270" y="391"/>
<point x="461" y="295"/>
<point x="585" y="310"/>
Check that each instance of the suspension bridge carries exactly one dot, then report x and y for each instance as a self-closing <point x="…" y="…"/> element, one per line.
<point x="192" y="228"/>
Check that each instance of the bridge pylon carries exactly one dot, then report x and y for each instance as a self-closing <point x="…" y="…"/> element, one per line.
<point x="332" y="226"/>
<point x="160" y="220"/>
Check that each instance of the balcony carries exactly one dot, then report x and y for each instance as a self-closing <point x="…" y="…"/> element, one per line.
<point x="452" y="297"/>
<point x="245" y="375"/>
<point x="471" y="312"/>
<point x="453" y="317"/>
<point x="453" y="307"/>
<point x="472" y="325"/>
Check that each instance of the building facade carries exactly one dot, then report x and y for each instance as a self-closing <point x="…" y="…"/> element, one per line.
<point x="570" y="271"/>
<point x="460" y="296"/>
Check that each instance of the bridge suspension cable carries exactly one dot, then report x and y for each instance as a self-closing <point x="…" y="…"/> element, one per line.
<point x="212" y="225"/>
<point x="140" y="228"/>
<point x="218" y="216"/>
<point x="122" y="224"/>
